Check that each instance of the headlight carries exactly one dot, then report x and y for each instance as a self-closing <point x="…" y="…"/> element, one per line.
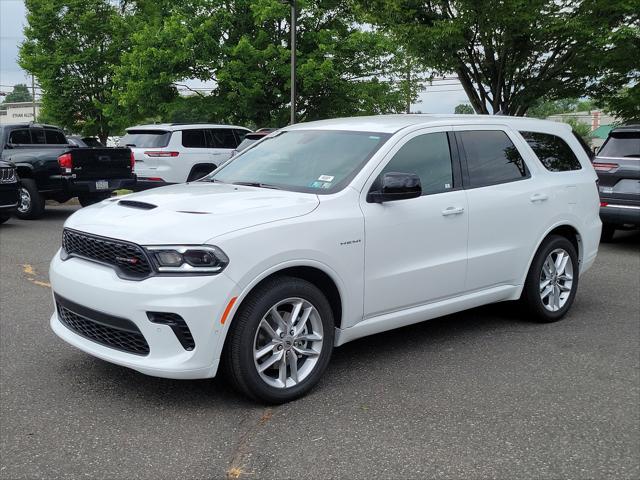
<point x="187" y="259"/>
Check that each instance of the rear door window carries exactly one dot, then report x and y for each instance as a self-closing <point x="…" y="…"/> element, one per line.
<point x="222" y="138"/>
<point x="552" y="151"/>
<point x="55" y="137"/>
<point x="492" y="158"/>
<point x="20" y="137"/>
<point x="146" y="138"/>
<point x="194" y="138"/>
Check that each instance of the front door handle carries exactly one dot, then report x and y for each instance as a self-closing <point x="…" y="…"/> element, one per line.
<point x="452" y="211"/>
<point x="538" y="197"/>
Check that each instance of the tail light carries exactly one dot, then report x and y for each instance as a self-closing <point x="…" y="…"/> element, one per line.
<point x="66" y="162"/>
<point x="132" y="160"/>
<point x="604" y="167"/>
<point x="604" y="204"/>
<point x="161" y="153"/>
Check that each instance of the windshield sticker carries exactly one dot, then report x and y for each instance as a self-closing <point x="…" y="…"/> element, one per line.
<point x="326" y="178"/>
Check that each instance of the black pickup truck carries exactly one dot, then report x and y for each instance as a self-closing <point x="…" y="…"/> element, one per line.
<point x="50" y="168"/>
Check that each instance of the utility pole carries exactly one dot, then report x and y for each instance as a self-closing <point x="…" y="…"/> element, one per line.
<point x="33" y="96"/>
<point x="294" y="18"/>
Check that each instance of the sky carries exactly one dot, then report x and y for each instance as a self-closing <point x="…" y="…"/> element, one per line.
<point x="442" y="97"/>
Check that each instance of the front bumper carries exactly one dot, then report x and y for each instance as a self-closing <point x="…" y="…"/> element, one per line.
<point x="200" y="301"/>
<point x="9" y="197"/>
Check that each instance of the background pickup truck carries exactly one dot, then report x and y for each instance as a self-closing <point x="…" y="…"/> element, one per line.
<point x="49" y="168"/>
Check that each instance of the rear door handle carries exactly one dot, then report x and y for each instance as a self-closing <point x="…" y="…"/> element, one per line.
<point x="538" y="197"/>
<point x="452" y="211"/>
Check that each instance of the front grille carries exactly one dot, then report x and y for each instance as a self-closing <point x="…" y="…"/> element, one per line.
<point x="115" y="332"/>
<point x="129" y="260"/>
<point x="177" y="324"/>
<point x="7" y="175"/>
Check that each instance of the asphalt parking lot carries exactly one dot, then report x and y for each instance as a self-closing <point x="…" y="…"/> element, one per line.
<point x="475" y="395"/>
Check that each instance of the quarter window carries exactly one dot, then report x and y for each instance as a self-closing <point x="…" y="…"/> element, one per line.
<point x="193" y="139"/>
<point x="427" y="156"/>
<point x="552" y="151"/>
<point x="492" y="158"/>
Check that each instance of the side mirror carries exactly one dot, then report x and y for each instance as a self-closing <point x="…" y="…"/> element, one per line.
<point x="395" y="186"/>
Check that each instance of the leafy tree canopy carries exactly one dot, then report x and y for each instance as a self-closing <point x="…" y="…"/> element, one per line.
<point x="243" y="47"/>
<point x="545" y="108"/>
<point x="20" y="93"/>
<point x="509" y="53"/>
<point x="464" y="108"/>
<point x="72" y="47"/>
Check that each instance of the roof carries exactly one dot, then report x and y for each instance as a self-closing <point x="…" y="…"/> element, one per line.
<point x="602" y="131"/>
<point x="627" y="128"/>
<point x="394" y="123"/>
<point x="182" y="126"/>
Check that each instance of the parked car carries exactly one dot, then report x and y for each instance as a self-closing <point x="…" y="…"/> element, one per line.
<point x="176" y="153"/>
<point x="323" y="233"/>
<point x="84" y="142"/>
<point x="50" y="168"/>
<point x="8" y="191"/>
<point x="618" y="167"/>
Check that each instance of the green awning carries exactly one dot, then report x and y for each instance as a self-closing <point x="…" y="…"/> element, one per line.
<point x="602" y="131"/>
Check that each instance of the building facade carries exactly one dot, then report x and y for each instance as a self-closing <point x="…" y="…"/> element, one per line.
<point x="18" y="112"/>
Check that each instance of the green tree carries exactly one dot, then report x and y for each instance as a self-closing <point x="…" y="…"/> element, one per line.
<point x="618" y="87"/>
<point x="464" y="108"/>
<point x="72" y="47"/>
<point x="507" y="53"/>
<point x="580" y="128"/>
<point x="20" y="93"/>
<point x="243" y="47"/>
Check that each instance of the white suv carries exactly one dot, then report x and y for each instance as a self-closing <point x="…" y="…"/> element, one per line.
<point x="323" y="233"/>
<point x="176" y="153"/>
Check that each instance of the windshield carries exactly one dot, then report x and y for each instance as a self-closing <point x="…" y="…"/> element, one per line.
<point x="314" y="161"/>
<point x="145" y="138"/>
<point x="621" y="144"/>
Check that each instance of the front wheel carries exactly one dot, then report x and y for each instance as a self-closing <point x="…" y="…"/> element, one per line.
<point x="552" y="280"/>
<point x="280" y="340"/>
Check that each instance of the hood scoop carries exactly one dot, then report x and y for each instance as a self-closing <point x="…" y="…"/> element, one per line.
<point x="135" y="204"/>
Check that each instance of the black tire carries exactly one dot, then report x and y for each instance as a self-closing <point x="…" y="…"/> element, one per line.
<point x="4" y="218"/>
<point x="608" y="231"/>
<point x="91" y="198"/>
<point x="198" y="172"/>
<point x="238" y="355"/>
<point x="31" y="204"/>
<point x="531" y="295"/>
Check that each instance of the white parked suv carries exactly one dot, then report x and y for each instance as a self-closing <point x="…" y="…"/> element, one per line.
<point x="323" y="233"/>
<point x="176" y="153"/>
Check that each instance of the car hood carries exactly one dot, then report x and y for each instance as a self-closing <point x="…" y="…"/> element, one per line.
<point x="189" y="213"/>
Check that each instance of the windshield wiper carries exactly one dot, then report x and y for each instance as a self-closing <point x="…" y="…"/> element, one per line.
<point x="257" y="184"/>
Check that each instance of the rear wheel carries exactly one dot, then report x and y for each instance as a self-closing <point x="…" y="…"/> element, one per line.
<point x="280" y="340"/>
<point x="91" y="198"/>
<point x="31" y="204"/>
<point x="552" y="280"/>
<point x="608" y="231"/>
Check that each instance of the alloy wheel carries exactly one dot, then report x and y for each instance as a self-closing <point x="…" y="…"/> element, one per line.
<point x="288" y="343"/>
<point x="556" y="280"/>
<point x="25" y="200"/>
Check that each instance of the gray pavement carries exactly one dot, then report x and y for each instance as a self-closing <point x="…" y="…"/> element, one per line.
<point x="474" y="395"/>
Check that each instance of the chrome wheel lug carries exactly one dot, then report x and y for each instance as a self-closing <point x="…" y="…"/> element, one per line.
<point x="291" y="332"/>
<point x="282" y="335"/>
<point x="279" y="347"/>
